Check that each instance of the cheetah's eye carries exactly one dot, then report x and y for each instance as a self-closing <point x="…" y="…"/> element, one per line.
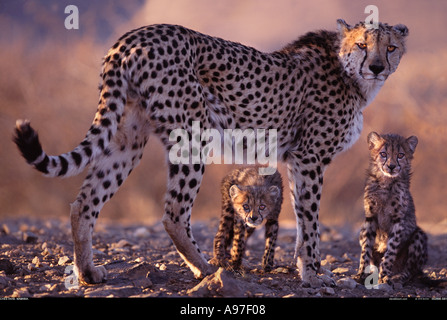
<point x="391" y="48"/>
<point x="362" y="45"/>
<point x="246" y="207"/>
<point x="400" y="155"/>
<point x="383" y="154"/>
<point x="261" y="207"/>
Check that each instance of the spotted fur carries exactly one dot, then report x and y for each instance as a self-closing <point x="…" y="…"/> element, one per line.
<point x="390" y="236"/>
<point x="248" y="199"/>
<point x="163" y="77"/>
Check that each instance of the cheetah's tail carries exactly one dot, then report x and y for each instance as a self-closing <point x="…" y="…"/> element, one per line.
<point x="103" y="129"/>
<point x="65" y="165"/>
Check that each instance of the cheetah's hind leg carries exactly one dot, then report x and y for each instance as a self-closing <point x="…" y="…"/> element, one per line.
<point x="106" y="174"/>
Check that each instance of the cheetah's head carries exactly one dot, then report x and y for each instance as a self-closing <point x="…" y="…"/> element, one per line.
<point x="253" y="203"/>
<point x="391" y="154"/>
<point x="371" y="53"/>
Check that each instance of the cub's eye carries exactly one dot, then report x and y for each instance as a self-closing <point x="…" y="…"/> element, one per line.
<point x="400" y="155"/>
<point x="391" y="48"/>
<point x="261" y="207"/>
<point x="246" y="207"/>
<point x="383" y="154"/>
<point x="362" y="45"/>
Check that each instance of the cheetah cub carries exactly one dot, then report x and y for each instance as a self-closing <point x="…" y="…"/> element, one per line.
<point x="389" y="235"/>
<point x="248" y="199"/>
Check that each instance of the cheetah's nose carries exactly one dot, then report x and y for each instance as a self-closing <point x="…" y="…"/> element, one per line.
<point x="391" y="167"/>
<point x="376" y="69"/>
<point x="254" y="218"/>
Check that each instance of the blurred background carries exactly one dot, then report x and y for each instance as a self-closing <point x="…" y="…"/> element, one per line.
<point x="50" y="75"/>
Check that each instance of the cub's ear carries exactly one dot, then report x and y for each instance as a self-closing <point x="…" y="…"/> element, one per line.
<point x="401" y="30"/>
<point x="274" y="192"/>
<point x="234" y="191"/>
<point x="412" y="143"/>
<point x="374" y="140"/>
<point x="343" y="27"/>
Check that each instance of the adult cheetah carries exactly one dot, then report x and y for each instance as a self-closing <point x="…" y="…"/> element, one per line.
<point x="163" y="77"/>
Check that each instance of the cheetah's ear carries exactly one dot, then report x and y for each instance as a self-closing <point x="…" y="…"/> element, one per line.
<point x="343" y="27"/>
<point x="401" y="30"/>
<point x="412" y="143"/>
<point x="274" y="192"/>
<point x="374" y="140"/>
<point x="234" y="191"/>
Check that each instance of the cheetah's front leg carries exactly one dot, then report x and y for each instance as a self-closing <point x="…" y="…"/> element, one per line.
<point x="306" y="182"/>
<point x="367" y="239"/>
<point x="177" y="217"/>
<point x="398" y="236"/>
<point x="271" y="234"/>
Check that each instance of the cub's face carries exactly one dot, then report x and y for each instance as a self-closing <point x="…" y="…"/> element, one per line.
<point x="369" y="53"/>
<point x="253" y="203"/>
<point x="391" y="154"/>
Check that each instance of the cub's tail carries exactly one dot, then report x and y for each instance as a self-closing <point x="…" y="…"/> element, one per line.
<point x="112" y="101"/>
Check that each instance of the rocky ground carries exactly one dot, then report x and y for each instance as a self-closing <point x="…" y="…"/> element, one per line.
<point x="36" y="261"/>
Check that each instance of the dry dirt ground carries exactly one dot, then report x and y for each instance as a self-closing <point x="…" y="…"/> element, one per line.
<point x="36" y="261"/>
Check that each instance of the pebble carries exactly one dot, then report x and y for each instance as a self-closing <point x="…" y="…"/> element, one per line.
<point x="5" y="229"/>
<point x="121" y="244"/>
<point x="63" y="260"/>
<point x="21" y="293"/>
<point x="3" y="280"/>
<point x="331" y="259"/>
<point x="340" y="270"/>
<point x="346" y="283"/>
<point x="280" y="270"/>
<point x="36" y="261"/>
<point x="327" y="291"/>
<point x="141" y="233"/>
<point x="6" y="266"/>
<point x="29" y="237"/>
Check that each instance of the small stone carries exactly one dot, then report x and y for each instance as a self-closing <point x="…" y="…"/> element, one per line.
<point x="5" y="229"/>
<point x="141" y="233"/>
<point x="63" y="260"/>
<point x="340" y="270"/>
<point x="45" y="287"/>
<point x="143" y="282"/>
<point x="29" y="237"/>
<point x="346" y="283"/>
<point x="36" y="261"/>
<point x="161" y="266"/>
<point x="6" y="266"/>
<point x="21" y="293"/>
<point x="384" y="287"/>
<point x="327" y="291"/>
<point x="332" y="259"/>
<point x="347" y="257"/>
<point x="221" y="284"/>
<point x="121" y="244"/>
<point x="3" y="280"/>
<point x="280" y="270"/>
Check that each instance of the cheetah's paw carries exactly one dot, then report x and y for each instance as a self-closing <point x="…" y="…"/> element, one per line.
<point x="94" y="275"/>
